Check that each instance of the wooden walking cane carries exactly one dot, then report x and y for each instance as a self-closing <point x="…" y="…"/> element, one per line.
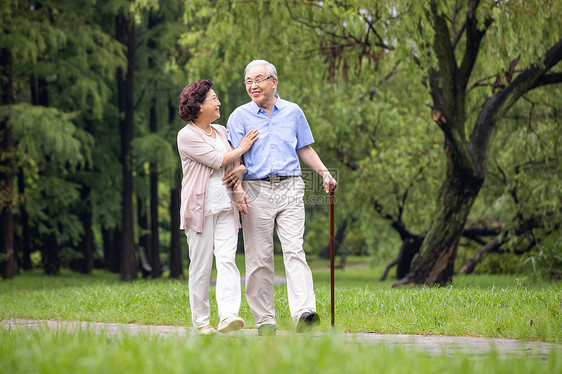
<point x="332" y="253"/>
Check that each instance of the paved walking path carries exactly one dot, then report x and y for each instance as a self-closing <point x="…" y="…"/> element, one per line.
<point x="434" y="344"/>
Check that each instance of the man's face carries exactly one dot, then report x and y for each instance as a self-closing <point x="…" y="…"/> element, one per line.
<point x="263" y="91"/>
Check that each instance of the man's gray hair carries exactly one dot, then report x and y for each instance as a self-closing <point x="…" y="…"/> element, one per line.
<point x="269" y="68"/>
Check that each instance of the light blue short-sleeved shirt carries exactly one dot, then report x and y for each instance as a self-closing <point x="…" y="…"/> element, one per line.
<point x="280" y="135"/>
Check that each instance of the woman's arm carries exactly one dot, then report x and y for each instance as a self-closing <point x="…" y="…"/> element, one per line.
<point x="245" y="145"/>
<point x="194" y="147"/>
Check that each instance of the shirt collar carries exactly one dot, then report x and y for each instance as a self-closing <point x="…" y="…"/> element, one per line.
<point x="278" y="104"/>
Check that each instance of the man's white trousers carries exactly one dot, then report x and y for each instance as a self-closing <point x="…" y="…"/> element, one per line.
<point x="278" y="205"/>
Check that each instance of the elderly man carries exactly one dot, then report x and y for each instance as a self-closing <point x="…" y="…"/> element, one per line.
<point x="276" y="190"/>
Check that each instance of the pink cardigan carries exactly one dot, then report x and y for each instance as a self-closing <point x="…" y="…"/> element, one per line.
<point x="199" y="157"/>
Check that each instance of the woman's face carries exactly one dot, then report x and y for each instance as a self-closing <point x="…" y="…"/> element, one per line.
<point x="210" y="107"/>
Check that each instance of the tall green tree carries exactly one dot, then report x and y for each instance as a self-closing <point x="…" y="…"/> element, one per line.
<point x="125" y="33"/>
<point x="468" y="155"/>
<point x="154" y="145"/>
<point x="128" y="20"/>
<point x="7" y="268"/>
<point x="58" y="69"/>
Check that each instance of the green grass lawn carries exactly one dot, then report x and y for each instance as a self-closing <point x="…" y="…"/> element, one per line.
<point x="44" y="351"/>
<point x="490" y="306"/>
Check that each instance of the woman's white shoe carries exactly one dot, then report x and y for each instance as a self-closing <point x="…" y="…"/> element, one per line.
<point x="206" y="330"/>
<point x="231" y="323"/>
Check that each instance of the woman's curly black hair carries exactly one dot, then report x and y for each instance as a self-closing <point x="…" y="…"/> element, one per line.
<point x="191" y="98"/>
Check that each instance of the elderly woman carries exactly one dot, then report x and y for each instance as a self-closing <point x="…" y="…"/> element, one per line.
<point x="209" y="212"/>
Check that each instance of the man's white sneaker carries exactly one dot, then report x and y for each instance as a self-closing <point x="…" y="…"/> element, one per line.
<point x="231" y="323"/>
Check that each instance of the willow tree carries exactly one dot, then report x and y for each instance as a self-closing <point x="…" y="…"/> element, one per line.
<point x="459" y="42"/>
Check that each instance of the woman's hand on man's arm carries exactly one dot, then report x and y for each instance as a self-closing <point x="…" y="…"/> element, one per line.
<point x="234" y="177"/>
<point x="245" y="145"/>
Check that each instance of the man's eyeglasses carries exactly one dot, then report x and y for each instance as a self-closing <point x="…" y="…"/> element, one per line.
<point x="249" y="82"/>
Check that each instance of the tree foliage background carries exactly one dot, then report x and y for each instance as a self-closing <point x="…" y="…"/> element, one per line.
<point x="395" y="93"/>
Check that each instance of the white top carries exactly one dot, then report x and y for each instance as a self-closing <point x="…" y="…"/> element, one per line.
<point x="217" y="197"/>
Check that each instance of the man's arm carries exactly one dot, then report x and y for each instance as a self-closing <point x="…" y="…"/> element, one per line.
<point x="309" y="156"/>
<point x="235" y="129"/>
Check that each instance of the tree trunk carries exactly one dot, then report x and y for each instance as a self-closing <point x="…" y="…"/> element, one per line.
<point x="85" y="264"/>
<point x="111" y="252"/>
<point x="24" y="222"/>
<point x="85" y="214"/>
<point x="50" y="245"/>
<point x="435" y="262"/>
<point x="26" y="232"/>
<point x="409" y="248"/>
<point x="176" y="262"/>
<point x="155" y="262"/>
<point x="125" y="33"/>
<point x="144" y="236"/>
<point x="50" y="254"/>
<point x="7" y="265"/>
